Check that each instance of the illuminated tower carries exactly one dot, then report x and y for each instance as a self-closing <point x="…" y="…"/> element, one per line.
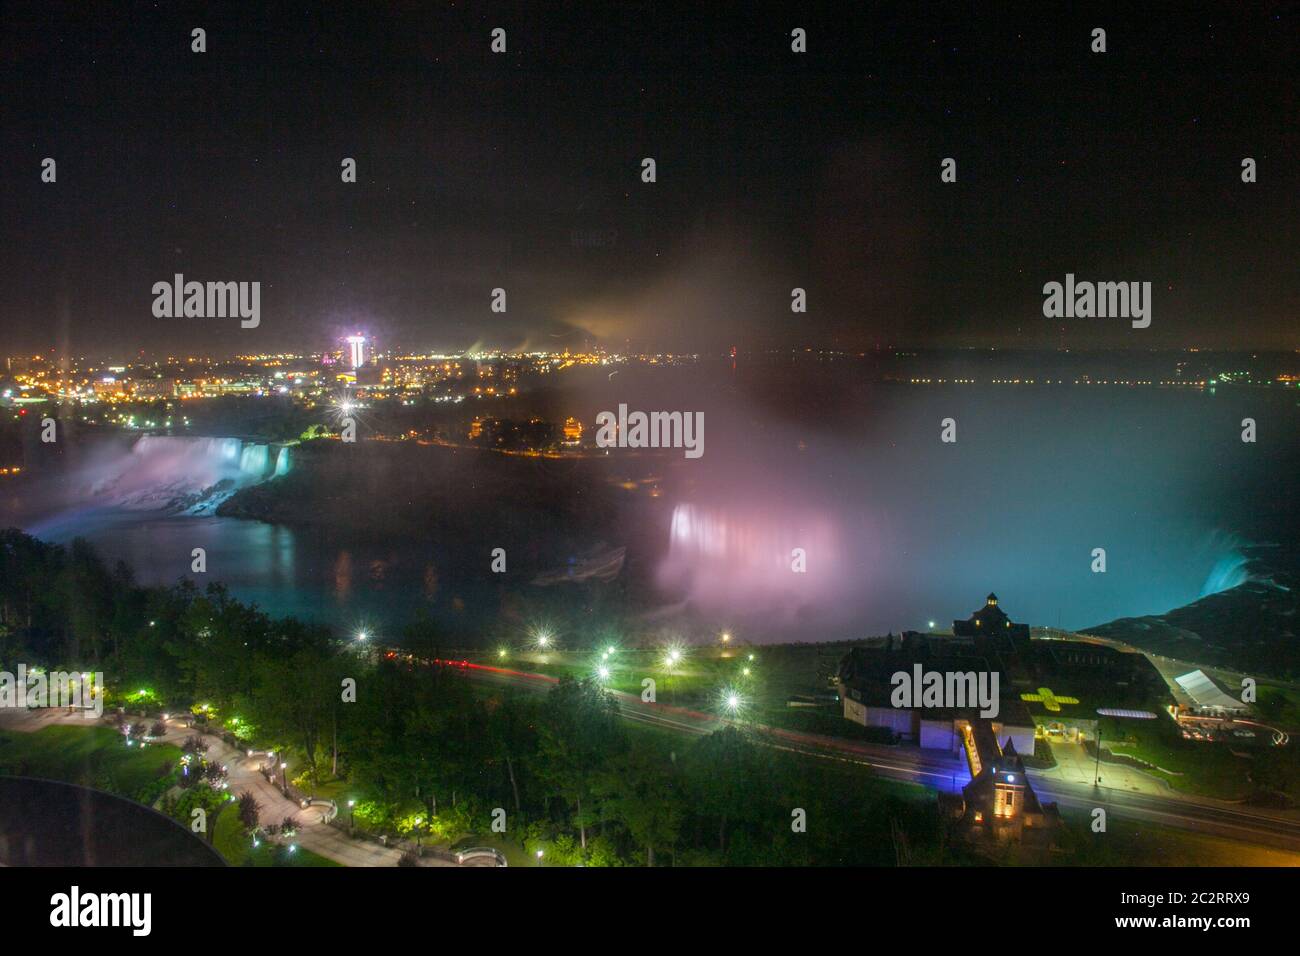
<point x="356" y="350"/>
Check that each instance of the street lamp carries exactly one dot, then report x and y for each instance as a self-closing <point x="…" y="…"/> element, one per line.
<point x="1097" y="765"/>
<point x="352" y="818"/>
<point x="732" y="701"/>
<point x="671" y="660"/>
<point x="539" y="857"/>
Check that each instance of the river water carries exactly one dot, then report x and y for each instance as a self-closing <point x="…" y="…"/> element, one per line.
<point x="899" y="529"/>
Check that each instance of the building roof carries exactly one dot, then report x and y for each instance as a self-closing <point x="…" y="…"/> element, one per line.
<point x="1205" y="693"/>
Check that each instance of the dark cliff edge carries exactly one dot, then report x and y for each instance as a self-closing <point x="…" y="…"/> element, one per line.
<point x="1249" y="628"/>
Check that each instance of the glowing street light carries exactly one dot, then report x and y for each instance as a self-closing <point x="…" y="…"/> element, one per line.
<point x="726" y="637"/>
<point x="731" y="700"/>
<point x="604" y="673"/>
<point x="362" y="636"/>
<point x="931" y="623"/>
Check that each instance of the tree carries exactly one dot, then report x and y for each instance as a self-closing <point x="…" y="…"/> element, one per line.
<point x="579" y="734"/>
<point x="641" y="792"/>
<point x="724" y="777"/>
<point x="511" y="738"/>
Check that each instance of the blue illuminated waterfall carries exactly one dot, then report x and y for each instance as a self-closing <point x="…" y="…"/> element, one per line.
<point x="187" y="475"/>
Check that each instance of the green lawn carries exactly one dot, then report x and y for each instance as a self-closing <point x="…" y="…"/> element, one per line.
<point x="229" y="840"/>
<point x="1279" y="706"/>
<point x="700" y="677"/>
<point x="1193" y="766"/>
<point x="90" y="756"/>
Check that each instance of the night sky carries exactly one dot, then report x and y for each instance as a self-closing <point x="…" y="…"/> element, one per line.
<point x="522" y="170"/>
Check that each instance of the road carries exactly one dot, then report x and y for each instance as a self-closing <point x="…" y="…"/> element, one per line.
<point x="1274" y="829"/>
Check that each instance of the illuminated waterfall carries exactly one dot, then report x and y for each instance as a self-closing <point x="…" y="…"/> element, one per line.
<point x="186" y="475"/>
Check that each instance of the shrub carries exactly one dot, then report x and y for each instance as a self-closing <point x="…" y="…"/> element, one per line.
<point x="249" y="811"/>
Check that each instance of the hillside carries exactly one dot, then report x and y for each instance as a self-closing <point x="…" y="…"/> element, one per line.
<point x="1249" y="628"/>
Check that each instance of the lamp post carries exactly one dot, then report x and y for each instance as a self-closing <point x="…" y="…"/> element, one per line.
<point x="673" y="657"/>
<point x="1096" y="782"/>
<point x="352" y="818"/>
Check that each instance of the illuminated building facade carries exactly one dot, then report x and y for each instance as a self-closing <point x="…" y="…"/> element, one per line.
<point x="356" y="350"/>
<point x="572" y="431"/>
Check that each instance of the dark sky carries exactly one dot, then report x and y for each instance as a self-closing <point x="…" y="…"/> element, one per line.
<point x="522" y="171"/>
